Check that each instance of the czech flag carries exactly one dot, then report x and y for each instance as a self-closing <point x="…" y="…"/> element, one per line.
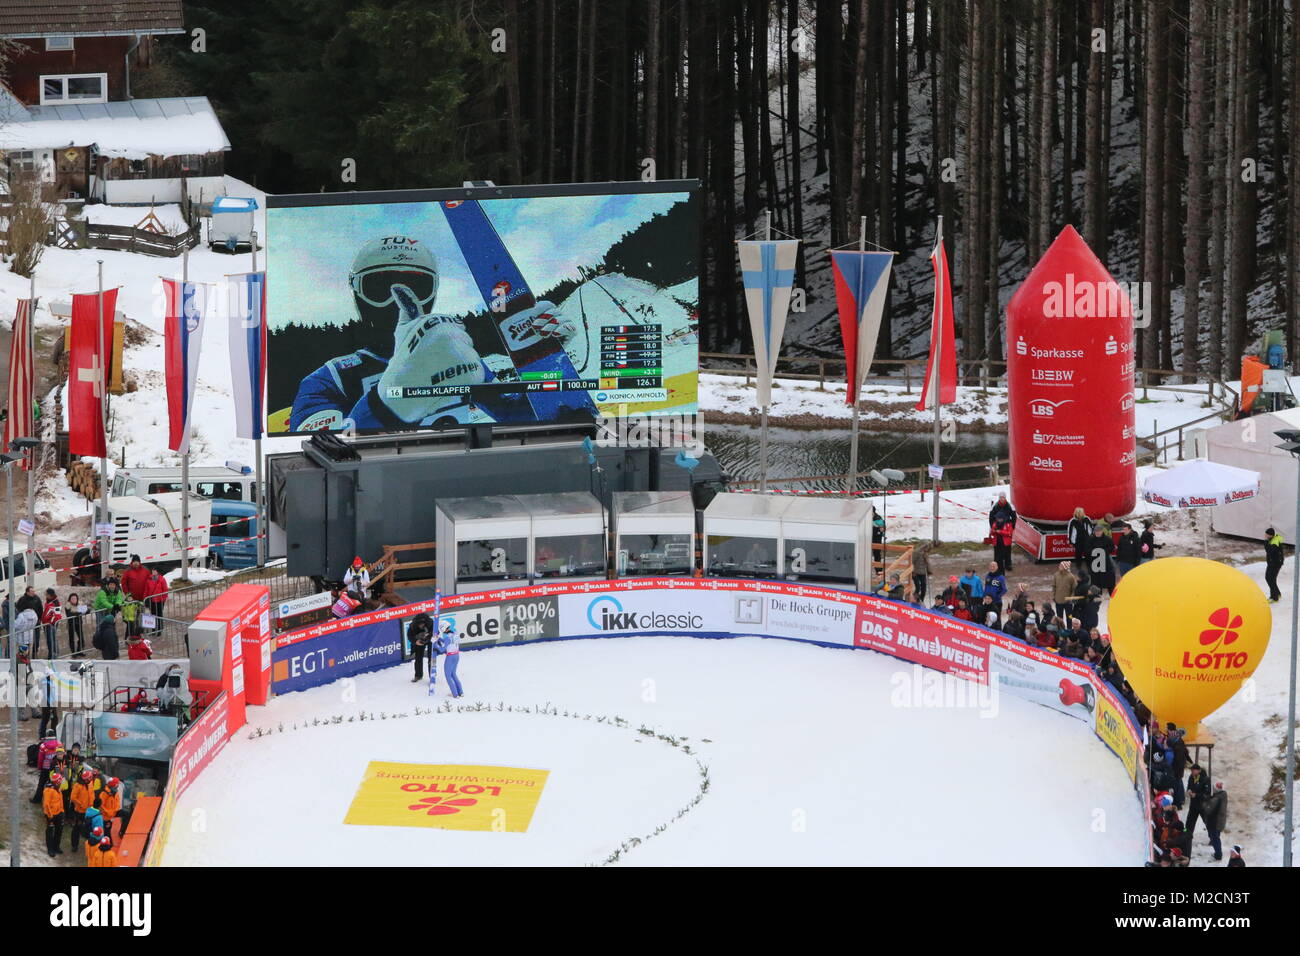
<point x="861" y="289"/>
<point x="247" y="298"/>
<point x="182" y="339"/>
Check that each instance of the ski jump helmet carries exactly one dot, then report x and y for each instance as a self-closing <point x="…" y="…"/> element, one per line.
<point x="386" y="261"/>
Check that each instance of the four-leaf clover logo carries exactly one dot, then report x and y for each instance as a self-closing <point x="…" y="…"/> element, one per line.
<point x="437" y="806"/>
<point x="1224" y="627"/>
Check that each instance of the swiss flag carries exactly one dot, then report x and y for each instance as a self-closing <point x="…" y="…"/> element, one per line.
<point x="88" y="374"/>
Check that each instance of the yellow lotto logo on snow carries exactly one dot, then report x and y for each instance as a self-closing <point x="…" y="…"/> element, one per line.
<point x="1114" y="733"/>
<point x="448" y="797"/>
<point x="1186" y="633"/>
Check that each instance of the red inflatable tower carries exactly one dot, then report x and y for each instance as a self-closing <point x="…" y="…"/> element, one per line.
<point x="1070" y="373"/>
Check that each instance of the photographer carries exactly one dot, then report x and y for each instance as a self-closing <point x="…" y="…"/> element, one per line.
<point x="421" y="634"/>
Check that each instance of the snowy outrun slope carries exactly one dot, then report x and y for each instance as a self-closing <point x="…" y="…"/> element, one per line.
<point x="809" y="764"/>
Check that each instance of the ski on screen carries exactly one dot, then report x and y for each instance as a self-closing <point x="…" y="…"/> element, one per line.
<point x="536" y="357"/>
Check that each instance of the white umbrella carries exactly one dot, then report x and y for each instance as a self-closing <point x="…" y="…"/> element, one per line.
<point x="1200" y="484"/>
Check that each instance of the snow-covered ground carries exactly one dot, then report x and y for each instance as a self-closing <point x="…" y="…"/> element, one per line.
<point x="169" y="214"/>
<point x="811" y="761"/>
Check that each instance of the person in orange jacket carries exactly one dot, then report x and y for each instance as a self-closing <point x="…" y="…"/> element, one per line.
<point x="107" y="855"/>
<point x="52" y="804"/>
<point x="83" y="798"/>
<point x="92" y="844"/>
<point x="110" y="801"/>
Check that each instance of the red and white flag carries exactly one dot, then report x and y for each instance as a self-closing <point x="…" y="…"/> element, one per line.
<point x="20" y="422"/>
<point x="941" y="371"/>
<point x="88" y="373"/>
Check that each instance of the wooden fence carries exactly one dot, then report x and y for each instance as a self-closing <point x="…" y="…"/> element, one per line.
<point x="130" y="239"/>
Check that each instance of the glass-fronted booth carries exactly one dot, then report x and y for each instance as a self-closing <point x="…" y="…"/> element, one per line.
<point x="510" y="540"/>
<point x="482" y="543"/>
<point x="827" y="541"/>
<point x="568" y="537"/>
<point x="654" y="533"/>
<point x="742" y="535"/>
<point x="794" y="538"/>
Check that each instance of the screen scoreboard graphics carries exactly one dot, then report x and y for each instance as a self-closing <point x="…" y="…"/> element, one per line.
<point x="631" y="360"/>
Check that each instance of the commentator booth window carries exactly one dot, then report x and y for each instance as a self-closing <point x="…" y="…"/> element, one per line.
<point x="488" y="538"/>
<point x="742" y="535"/>
<point x="654" y="533"/>
<point x="568" y="537"/>
<point x="827" y="541"/>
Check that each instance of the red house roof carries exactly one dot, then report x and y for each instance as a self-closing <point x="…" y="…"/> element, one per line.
<point x="44" y="18"/>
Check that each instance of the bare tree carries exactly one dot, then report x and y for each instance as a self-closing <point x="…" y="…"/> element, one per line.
<point x="30" y="219"/>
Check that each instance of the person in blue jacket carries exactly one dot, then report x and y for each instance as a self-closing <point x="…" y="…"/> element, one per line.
<point x="448" y="644"/>
<point x="995" y="584"/>
<point x="973" y="584"/>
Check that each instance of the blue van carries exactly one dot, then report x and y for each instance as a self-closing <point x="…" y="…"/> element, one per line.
<point x="232" y="542"/>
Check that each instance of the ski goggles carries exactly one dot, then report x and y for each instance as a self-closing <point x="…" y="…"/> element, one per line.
<point x="376" y="287"/>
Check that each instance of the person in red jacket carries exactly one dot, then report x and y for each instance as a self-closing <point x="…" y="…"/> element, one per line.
<point x="50" y="619"/>
<point x="137" y="648"/>
<point x="135" y="579"/>
<point x="155" y="596"/>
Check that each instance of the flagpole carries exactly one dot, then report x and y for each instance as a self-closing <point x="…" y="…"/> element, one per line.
<point x="762" y="441"/>
<point x="936" y="383"/>
<point x="257" y="448"/>
<point x="860" y="374"/>
<point x="106" y="374"/>
<point x="29" y="558"/>
<point x="185" y="440"/>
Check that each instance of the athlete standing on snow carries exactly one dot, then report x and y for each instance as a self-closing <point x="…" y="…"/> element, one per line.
<point x="394" y="283"/>
<point x="448" y="644"/>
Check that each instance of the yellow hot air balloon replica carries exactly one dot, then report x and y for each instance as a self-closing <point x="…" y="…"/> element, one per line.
<point x="1186" y="632"/>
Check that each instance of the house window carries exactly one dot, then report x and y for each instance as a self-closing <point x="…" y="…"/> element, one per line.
<point x="75" y="88"/>
<point x="58" y="43"/>
<point x="22" y="160"/>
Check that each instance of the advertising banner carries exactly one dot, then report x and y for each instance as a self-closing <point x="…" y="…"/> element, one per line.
<point x="1043" y="677"/>
<point x="500" y="799"/>
<point x="713" y="613"/>
<point x="143" y="736"/>
<point x="948" y="645"/>
<point x="200" y="743"/>
<point x="321" y="660"/>
<point x="536" y="305"/>
<point x="509" y="622"/>
<point x="1116" y="732"/>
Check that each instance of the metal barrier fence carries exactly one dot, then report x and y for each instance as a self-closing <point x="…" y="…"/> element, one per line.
<point x="185" y="603"/>
<point x="74" y="636"/>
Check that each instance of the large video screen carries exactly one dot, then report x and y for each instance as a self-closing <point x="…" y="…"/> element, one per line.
<point x="446" y="312"/>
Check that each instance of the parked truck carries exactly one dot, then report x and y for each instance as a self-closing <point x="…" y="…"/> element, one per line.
<point x="231" y="482"/>
<point x="151" y="526"/>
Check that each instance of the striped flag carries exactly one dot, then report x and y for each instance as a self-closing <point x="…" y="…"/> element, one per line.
<point x="247" y="297"/>
<point x="941" y="370"/>
<point x="861" y="288"/>
<point x="182" y="339"/>
<point x="767" y="267"/>
<point x="20" y="423"/>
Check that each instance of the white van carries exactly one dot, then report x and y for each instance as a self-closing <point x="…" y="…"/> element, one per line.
<point x="43" y="576"/>
<point x="227" y="483"/>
